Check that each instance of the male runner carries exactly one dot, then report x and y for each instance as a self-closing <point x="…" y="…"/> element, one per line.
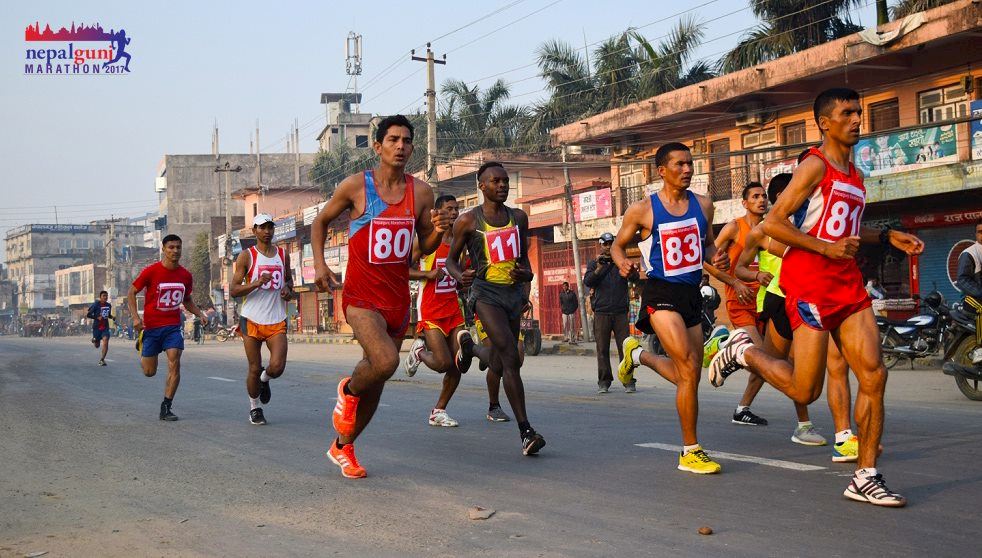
<point x="101" y="312"/>
<point x="484" y="354"/>
<point x="168" y="286"/>
<point x="760" y="262"/>
<point x="496" y="237"/>
<point x="268" y="285"/>
<point x="387" y="207"/>
<point x="440" y="319"/>
<point x="677" y="241"/>
<point x="819" y="217"/>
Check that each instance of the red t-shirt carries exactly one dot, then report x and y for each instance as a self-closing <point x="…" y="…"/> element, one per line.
<point x="166" y="291"/>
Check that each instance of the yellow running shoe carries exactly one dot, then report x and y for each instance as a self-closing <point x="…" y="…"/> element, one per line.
<point x="712" y="346"/>
<point x="698" y="461"/>
<point x="625" y="370"/>
<point x="846" y="452"/>
<point x="139" y="342"/>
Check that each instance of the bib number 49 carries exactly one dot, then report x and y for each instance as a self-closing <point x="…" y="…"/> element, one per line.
<point x="390" y="240"/>
<point x="170" y="296"/>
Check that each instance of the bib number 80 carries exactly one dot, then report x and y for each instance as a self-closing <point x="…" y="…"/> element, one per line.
<point x="390" y="241"/>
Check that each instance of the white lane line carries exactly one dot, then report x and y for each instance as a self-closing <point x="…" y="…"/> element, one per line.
<point x="738" y="457"/>
<point x="220" y="379"/>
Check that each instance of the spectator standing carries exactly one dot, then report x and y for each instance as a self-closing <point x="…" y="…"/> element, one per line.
<point x="569" y="305"/>
<point x="610" y="311"/>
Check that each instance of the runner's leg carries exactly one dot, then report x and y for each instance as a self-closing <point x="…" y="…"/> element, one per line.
<point x="451" y="376"/>
<point x="437" y="355"/>
<point x="504" y="342"/>
<point x="149" y="365"/>
<point x="754" y="382"/>
<point x="682" y="366"/>
<point x="105" y="347"/>
<point x="254" y="357"/>
<point x="370" y="374"/>
<point x="173" y="372"/>
<point x="838" y="394"/>
<point x="277" y="346"/>
<point x="859" y="341"/>
<point x="802" y="381"/>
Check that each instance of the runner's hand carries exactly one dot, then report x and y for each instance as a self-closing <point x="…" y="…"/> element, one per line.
<point x="907" y="243"/>
<point x="842" y="249"/>
<point x="440" y="219"/>
<point x="521" y="274"/>
<point x="743" y="293"/>
<point x="721" y="260"/>
<point x="467" y="278"/>
<point x="627" y="268"/>
<point x="764" y="278"/>
<point x="286" y="294"/>
<point x="435" y="274"/>
<point x="325" y="279"/>
<point x="137" y="324"/>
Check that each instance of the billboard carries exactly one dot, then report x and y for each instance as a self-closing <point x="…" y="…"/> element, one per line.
<point x="906" y="150"/>
<point x="975" y="130"/>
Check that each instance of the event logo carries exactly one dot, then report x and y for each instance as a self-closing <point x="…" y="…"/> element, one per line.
<point x="76" y="54"/>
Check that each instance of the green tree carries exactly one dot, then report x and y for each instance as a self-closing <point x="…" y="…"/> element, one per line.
<point x="331" y="167"/>
<point x="904" y="8"/>
<point x="200" y="269"/>
<point x="667" y="65"/>
<point x="789" y="26"/>
<point x="472" y="119"/>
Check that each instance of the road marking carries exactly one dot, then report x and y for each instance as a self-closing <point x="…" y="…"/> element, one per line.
<point x="738" y="457"/>
<point x="220" y="379"/>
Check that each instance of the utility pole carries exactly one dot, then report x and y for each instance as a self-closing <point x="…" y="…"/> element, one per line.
<point x="111" y="258"/>
<point x="576" y="249"/>
<point x="882" y="15"/>
<point x="430" y="108"/>
<point x="228" y="231"/>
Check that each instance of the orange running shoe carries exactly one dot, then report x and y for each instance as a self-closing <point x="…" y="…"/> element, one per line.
<point x="345" y="410"/>
<point x="345" y="458"/>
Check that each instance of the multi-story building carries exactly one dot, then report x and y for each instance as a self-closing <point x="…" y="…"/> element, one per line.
<point x="344" y="127"/>
<point x="920" y="150"/>
<point x="35" y="252"/>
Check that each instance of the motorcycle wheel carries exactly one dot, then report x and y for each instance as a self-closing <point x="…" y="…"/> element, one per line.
<point x="223" y="335"/>
<point x="890" y="359"/>
<point x="969" y="388"/>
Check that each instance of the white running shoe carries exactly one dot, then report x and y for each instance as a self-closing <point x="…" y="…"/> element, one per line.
<point x="439" y="417"/>
<point x="412" y="359"/>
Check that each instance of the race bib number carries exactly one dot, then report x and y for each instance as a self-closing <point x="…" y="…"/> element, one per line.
<point x="503" y="245"/>
<point x="681" y="247"/>
<point x="104" y="312"/>
<point x="170" y="296"/>
<point x="390" y="240"/>
<point x="843" y="212"/>
<point x="276" y="280"/>
<point x="446" y="284"/>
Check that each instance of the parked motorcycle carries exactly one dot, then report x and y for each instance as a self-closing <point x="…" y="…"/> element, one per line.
<point x="963" y="355"/>
<point x="224" y="333"/>
<point x="921" y="336"/>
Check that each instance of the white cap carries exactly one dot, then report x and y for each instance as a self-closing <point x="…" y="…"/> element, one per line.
<point x="261" y="219"/>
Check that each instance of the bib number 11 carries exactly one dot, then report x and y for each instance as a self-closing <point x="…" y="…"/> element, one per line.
<point x="503" y="245"/>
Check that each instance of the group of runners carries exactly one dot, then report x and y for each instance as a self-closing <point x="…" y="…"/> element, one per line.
<point x="794" y="289"/>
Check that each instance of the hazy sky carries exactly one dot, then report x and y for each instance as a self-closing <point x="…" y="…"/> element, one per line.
<point x="91" y="144"/>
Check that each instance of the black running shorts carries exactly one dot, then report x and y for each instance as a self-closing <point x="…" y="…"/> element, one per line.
<point x="681" y="298"/>
<point x="774" y="311"/>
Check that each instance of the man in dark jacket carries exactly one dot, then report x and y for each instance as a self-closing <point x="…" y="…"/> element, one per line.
<point x="569" y="305"/>
<point x="100" y="312"/>
<point x="610" y="308"/>
<point x="969" y="281"/>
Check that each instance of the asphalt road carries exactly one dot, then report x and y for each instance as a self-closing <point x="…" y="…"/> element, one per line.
<point x="86" y="469"/>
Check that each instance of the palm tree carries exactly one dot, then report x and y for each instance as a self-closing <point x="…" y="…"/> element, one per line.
<point x="472" y="119"/>
<point x="615" y="80"/>
<point x="789" y="26"/>
<point x="665" y="66"/>
<point x="904" y="8"/>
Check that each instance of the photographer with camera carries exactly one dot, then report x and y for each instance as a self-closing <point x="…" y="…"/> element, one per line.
<point x="610" y="308"/>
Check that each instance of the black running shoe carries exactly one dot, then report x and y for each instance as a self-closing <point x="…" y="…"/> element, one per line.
<point x="264" y="392"/>
<point x="95" y="342"/>
<point x="165" y="413"/>
<point x="102" y="362"/>
<point x="465" y="354"/>
<point x="495" y="414"/>
<point x="481" y="365"/>
<point x="256" y="416"/>
<point x="747" y="418"/>
<point x="873" y="490"/>
<point x="532" y="442"/>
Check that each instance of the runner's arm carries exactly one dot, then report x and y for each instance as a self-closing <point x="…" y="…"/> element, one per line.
<point x="630" y="226"/>
<point x="191" y="307"/>
<point x="242" y="263"/>
<point x="523" y="271"/>
<point x="463" y="228"/>
<point x="742" y="266"/>
<point x="430" y="223"/>
<point x="287" y="292"/>
<point x="777" y="224"/>
<point x="902" y="241"/>
<point x="415" y="273"/>
<point x="342" y="200"/>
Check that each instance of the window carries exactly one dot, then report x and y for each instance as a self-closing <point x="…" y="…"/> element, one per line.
<point x="884" y="116"/>
<point x="632" y="175"/>
<point x="361" y="141"/>
<point x="720" y="184"/>
<point x="943" y="103"/>
<point x="700" y="164"/>
<point x="793" y="134"/>
<point x="759" y="139"/>
<point x="255" y="209"/>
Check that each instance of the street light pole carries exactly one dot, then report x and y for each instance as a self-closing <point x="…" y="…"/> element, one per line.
<point x="228" y="233"/>
<point x="576" y="249"/>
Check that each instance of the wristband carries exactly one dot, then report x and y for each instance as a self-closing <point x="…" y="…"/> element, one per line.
<point x="885" y="235"/>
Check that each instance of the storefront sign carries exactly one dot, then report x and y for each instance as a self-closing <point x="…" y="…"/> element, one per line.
<point x="307" y="271"/>
<point x="588" y="230"/>
<point x="904" y="151"/>
<point x="311" y="212"/>
<point x="295" y="266"/>
<point x="546" y="206"/>
<point x="285" y="228"/>
<point x="770" y="169"/>
<point x="592" y="205"/>
<point x="928" y="220"/>
<point x="975" y="130"/>
<point x="560" y="275"/>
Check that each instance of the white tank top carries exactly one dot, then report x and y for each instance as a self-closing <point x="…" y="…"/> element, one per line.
<point x="264" y="305"/>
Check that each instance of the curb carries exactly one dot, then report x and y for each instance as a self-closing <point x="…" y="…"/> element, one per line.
<point x="346" y="340"/>
<point x="568" y="350"/>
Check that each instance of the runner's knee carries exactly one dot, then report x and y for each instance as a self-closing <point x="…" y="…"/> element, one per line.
<point x="275" y="368"/>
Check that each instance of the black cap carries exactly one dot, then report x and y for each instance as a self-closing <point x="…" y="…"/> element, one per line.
<point x="606" y="238"/>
